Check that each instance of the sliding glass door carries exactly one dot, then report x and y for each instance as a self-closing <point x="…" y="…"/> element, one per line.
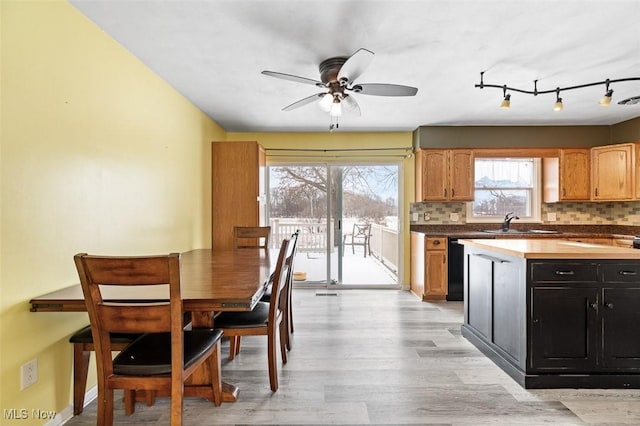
<point x="347" y="215"/>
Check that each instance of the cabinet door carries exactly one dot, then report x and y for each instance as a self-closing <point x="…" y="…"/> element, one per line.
<point x="461" y="175"/>
<point x="564" y="329"/>
<point x="612" y="172"/>
<point x="434" y="175"/>
<point x="436" y="268"/>
<point x="620" y="338"/>
<point x="575" y="173"/>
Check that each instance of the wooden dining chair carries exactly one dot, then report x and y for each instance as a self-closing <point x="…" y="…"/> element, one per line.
<point x="82" y="341"/>
<point x="266" y="319"/>
<point x="165" y="355"/>
<point x="288" y="313"/>
<point x="251" y="236"/>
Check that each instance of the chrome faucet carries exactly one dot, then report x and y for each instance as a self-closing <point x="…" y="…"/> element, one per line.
<point x="507" y="221"/>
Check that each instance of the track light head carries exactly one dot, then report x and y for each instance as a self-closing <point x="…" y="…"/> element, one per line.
<point x="506" y="102"/>
<point x="606" y="99"/>
<point x="558" y="105"/>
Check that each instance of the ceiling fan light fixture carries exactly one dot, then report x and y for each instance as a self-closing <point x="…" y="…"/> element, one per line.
<point x="336" y="107"/>
<point x="326" y="102"/>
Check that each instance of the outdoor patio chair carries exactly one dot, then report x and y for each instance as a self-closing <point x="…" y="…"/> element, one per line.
<point x="360" y="236"/>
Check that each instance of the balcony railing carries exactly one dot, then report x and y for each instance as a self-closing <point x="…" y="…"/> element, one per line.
<point x="313" y="238"/>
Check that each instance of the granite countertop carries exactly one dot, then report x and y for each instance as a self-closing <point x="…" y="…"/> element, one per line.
<point x="564" y="231"/>
<point x="549" y="248"/>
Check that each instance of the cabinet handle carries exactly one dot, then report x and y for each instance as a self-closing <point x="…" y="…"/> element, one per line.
<point x="564" y="192"/>
<point x="596" y="192"/>
<point x="609" y="305"/>
<point x="453" y="192"/>
<point x="594" y="306"/>
<point x="628" y="272"/>
<point x="565" y="273"/>
<point x="436" y="243"/>
<point x="445" y="192"/>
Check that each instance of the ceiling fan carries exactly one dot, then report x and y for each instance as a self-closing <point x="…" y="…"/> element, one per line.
<point x="337" y="79"/>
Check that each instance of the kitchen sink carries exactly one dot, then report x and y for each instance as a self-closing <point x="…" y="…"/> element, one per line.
<point x="521" y="231"/>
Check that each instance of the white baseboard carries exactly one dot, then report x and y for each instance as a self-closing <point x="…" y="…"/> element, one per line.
<point x="67" y="413"/>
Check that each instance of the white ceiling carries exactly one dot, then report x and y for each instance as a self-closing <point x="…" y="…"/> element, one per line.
<point x="213" y="52"/>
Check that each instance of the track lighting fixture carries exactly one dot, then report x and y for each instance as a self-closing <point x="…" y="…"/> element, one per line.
<point x="605" y="101"/>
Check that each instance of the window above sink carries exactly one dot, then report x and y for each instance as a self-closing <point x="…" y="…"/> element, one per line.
<point x="504" y="185"/>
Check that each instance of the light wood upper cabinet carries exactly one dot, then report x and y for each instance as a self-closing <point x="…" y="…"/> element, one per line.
<point x="568" y="176"/>
<point x="613" y="172"/>
<point x="445" y="175"/>
<point x="238" y="189"/>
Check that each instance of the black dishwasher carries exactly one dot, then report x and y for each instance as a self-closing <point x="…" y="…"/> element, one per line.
<point x="455" y="270"/>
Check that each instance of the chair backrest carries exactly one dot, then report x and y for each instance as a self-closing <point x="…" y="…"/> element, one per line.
<point x="132" y="317"/>
<point x="279" y="286"/>
<point x="361" y="230"/>
<point x="289" y="258"/>
<point x="251" y="236"/>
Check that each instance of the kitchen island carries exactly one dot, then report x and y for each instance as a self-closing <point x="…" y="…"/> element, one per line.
<point x="554" y="313"/>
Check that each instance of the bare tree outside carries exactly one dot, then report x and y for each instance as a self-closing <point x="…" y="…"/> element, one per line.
<point x="368" y="192"/>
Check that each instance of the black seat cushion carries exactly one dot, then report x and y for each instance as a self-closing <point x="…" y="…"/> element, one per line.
<point x="258" y="317"/>
<point x="150" y="354"/>
<point x="84" y="336"/>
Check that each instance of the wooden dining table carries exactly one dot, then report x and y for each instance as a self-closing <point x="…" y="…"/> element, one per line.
<point x="211" y="282"/>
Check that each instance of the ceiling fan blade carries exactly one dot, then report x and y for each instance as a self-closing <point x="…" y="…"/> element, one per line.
<point x="355" y="65"/>
<point x="350" y="105"/>
<point x="304" y="101"/>
<point x="294" y="78"/>
<point x="381" y="89"/>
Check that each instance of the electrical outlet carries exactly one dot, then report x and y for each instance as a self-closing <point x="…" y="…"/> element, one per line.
<point x="426" y="217"/>
<point x="415" y="217"/>
<point x="551" y="217"/>
<point x="453" y="217"/>
<point x="28" y="374"/>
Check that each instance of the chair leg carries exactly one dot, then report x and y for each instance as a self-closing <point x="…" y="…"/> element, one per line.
<point x="216" y="379"/>
<point x="80" y="371"/>
<point x="149" y="397"/>
<point x="177" y="403"/>
<point x="105" y="406"/>
<point x="129" y="401"/>
<point x="273" y="365"/>
<point x="234" y="347"/>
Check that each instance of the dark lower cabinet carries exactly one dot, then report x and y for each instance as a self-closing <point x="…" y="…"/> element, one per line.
<point x="555" y="323"/>
<point x="620" y="313"/>
<point x="564" y="329"/>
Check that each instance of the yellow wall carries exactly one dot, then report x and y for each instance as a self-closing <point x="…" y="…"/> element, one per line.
<point x="338" y="140"/>
<point x="97" y="154"/>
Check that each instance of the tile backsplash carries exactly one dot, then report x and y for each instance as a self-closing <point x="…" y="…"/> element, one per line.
<point x="612" y="213"/>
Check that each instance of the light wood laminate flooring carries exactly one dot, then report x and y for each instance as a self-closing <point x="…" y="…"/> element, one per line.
<point x="382" y="357"/>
